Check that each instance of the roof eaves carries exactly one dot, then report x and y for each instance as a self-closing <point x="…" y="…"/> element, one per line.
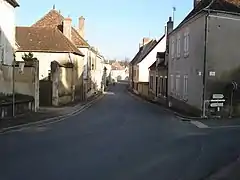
<point x="146" y="51"/>
<point x="13" y="3"/>
<point x="187" y="20"/>
<point x="71" y="45"/>
<point x="153" y="46"/>
<point x="46" y="51"/>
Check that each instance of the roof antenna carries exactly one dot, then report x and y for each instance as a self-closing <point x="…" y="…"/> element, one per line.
<point x="54" y="6"/>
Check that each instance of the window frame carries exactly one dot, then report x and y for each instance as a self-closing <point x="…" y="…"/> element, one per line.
<point x="172" y="82"/>
<point x="173" y="48"/>
<point x="151" y="82"/>
<point x="186" y="42"/>
<point x="178" y="45"/>
<point x="178" y="84"/>
<point x="185" y="87"/>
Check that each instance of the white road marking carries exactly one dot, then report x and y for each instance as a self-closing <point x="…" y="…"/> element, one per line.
<point x="199" y="124"/>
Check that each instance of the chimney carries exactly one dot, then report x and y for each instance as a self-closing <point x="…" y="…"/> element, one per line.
<point x="195" y="2"/>
<point x="67" y="28"/>
<point x="81" y="26"/>
<point x="145" y="41"/>
<point x="169" y="25"/>
<point x="169" y="30"/>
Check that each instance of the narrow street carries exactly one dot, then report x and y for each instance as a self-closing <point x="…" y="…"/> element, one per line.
<point x="118" y="138"/>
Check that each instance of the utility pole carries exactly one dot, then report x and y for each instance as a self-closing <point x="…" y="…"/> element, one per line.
<point x="13" y="85"/>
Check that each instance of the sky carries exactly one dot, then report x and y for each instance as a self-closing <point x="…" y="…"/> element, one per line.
<point x="116" y="27"/>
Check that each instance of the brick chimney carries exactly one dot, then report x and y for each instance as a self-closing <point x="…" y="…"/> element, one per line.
<point x="145" y="41"/>
<point x="195" y="2"/>
<point x="81" y="28"/>
<point x="169" y="25"/>
<point x="67" y="28"/>
<point x="169" y="29"/>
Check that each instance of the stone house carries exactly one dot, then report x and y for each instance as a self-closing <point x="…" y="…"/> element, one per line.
<point x="145" y="57"/>
<point x="48" y="44"/>
<point x="158" y="71"/>
<point x="203" y="56"/>
<point x="119" y="72"/>
<point x="158" y="79"/>
<point x="92" y="57"/>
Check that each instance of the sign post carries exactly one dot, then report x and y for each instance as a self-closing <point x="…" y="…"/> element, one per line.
<point x="217" y="101"/>
<point x="234" y="87"/>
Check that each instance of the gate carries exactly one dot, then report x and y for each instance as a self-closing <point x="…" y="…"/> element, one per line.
<point x="45" y="93"/>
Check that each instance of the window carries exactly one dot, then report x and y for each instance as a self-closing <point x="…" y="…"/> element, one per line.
<point x="134" y="73"/>
<point x="1" y="48"/>
<point x="173" y="48"/>
<point x="186" y="43"/>
<point x="185" y="86"/>
<point x="151" y="82"/>
<point x="178" y="46"/>
<point x="178" y="85"/>
<point x="2" y="53"/>
<point x="172" y="83"/>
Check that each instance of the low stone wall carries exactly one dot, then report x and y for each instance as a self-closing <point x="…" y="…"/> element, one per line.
<point x="21" y="107"/>
<point x="143" y="89"/>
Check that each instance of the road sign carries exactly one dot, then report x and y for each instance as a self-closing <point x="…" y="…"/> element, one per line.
<point x="217" y="100"/>
<point x="218" y="96"/>
<point x="216" y="104"/>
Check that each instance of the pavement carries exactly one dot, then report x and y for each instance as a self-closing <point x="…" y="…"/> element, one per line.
<point x="118" y="137"/>
<point x="44" y="114"/>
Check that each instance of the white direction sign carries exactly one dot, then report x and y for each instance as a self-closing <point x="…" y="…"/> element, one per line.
<point x="218" y="96"/>
<point x="216" y="104"/>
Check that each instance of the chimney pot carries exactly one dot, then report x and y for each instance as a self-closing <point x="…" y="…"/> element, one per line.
<point x="81" y="29"/>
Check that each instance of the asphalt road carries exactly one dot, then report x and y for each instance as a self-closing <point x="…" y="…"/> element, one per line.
<point x="118" y="138"/>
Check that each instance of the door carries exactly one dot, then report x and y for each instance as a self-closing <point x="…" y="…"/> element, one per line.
<point x="156" y="87"/>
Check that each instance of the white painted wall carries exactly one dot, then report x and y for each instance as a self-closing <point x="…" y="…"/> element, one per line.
<point x="45" y="60"/>
<point x="85" y="61"/>
<point x="7" y="31"/>
<point x="122" y="73"/>
<point x="149" y="60"/>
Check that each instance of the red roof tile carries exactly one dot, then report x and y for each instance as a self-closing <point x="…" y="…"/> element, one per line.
<point x="55" y="19"/>
<point x="43" y="39"/>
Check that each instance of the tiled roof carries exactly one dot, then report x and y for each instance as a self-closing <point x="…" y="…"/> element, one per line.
<point x="13" y="3"/>
<point x="218" y="5"/>
<point x="136" y="56"/>
<point x="145" y="50"/>
<point x="153" y="66"/>
<point x="55" y="19"/>
<point x="43" y="39"/>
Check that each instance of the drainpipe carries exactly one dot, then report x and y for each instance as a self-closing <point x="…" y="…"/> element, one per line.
<point x="204" y="67"/>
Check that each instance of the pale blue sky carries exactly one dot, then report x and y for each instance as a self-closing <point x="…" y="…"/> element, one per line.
<point x="116" y="27"/>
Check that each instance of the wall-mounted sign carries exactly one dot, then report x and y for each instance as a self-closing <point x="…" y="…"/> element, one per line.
<point x="218" y="96"/>
<point x="216" y="104"/>
<point x="212" y="73"/>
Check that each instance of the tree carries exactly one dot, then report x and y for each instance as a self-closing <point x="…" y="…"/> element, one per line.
<point x="28" y="57"/>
